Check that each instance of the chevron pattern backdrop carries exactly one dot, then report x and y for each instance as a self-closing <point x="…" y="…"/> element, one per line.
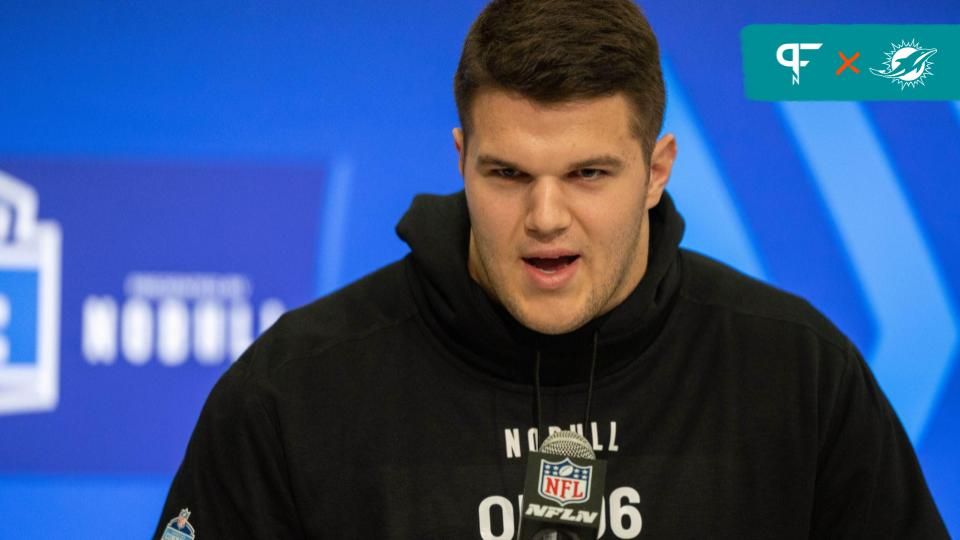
<point x="208" y="164"/>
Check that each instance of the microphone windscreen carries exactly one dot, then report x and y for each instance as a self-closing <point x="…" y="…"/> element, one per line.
<point x="568" y="443"/>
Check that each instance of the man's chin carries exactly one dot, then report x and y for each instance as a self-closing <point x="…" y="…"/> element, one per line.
<point x="551" y="314"/>
<point x="545" y="321"/>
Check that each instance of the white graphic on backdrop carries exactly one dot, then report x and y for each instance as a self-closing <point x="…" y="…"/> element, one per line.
<point x="172" y="317"/>
<point x="29" y="302"/>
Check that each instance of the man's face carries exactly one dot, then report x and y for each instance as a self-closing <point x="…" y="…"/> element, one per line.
<point x="558" y="197"/>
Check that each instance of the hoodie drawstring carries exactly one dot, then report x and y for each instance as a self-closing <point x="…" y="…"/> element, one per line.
<point x="538" y="397"/>
<point x="593" y="369"/>
<point x="536" y="390"/>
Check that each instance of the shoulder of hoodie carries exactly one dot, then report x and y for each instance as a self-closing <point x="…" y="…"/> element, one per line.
<point x="377" y="302"/>
<point x="712" y="284"/>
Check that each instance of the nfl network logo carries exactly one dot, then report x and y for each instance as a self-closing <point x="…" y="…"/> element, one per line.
<point x="29" y="302"/>
<point x="564" y="482"/>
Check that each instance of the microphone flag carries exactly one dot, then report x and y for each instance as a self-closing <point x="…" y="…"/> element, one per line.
<point x="562" y="497"/>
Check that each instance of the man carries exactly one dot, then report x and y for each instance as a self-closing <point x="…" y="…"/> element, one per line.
<point x="404" y="405"/>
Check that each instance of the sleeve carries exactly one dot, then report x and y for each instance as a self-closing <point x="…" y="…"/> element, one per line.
<point x="869" y="483"/>
<point x="233" y="479"/>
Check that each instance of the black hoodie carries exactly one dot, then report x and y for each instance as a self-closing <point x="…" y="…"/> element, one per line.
<point x="402" y="406"/>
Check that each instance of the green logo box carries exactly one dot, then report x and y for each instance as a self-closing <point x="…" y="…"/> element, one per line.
<point x="843" y="62"/>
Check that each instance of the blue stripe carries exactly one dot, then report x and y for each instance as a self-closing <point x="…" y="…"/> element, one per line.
<point x="916" y="326"/>
<point x="714" y="225"/>
<point x="332" y="233"/>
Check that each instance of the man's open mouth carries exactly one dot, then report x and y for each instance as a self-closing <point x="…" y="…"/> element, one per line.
<point x="549" y="265"/>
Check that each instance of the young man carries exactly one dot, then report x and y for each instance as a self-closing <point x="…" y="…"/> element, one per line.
<point x="404" y="405"/>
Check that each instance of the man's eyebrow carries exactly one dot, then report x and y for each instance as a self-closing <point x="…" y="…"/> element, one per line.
<point x="484" y="160"/>
<point x="609" y="161"/>
<point x="605" y="160"/>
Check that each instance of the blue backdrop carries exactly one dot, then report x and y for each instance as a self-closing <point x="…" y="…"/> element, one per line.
<point x="198" y="167"/>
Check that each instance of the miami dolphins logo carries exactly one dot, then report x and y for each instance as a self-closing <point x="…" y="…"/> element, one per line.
<point x="907" y="64"/>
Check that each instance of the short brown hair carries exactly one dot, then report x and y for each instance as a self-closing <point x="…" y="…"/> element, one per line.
<point x="558" y="50"/>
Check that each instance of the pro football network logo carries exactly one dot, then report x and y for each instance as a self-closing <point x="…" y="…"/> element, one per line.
<point x="794" y="62"/>
<point x="564" y="482"/>
<point x="179" y="528"/>
<point x="907" y="64"/>
<point x="29" y="302"/>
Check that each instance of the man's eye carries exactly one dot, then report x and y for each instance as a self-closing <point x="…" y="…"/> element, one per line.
<point x="507" y="172"/>
<point x="591" y="174"/>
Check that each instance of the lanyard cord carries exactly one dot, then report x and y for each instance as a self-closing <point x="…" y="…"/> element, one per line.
<point x="538" y="397"/>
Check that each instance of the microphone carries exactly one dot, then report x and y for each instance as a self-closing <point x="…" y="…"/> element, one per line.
<point x="563" y="491"/>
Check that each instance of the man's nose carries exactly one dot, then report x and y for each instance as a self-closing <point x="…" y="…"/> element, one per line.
<point x="547" y="211"/>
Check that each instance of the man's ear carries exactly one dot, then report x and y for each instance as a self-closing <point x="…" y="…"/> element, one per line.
<point x="661" y="163"/>
<point x="458" y="144"/>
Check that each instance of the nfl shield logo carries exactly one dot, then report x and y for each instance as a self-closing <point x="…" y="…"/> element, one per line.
<point x="179" y="528"/>
<point x="564" y="482"/>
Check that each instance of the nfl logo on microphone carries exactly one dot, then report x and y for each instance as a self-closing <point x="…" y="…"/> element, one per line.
<point x="564" y="482"/>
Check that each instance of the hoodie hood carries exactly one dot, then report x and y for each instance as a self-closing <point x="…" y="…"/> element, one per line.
<point x="479" y="330"/>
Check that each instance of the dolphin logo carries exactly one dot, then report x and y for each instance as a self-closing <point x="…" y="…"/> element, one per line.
<point x="907" y="64"/>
